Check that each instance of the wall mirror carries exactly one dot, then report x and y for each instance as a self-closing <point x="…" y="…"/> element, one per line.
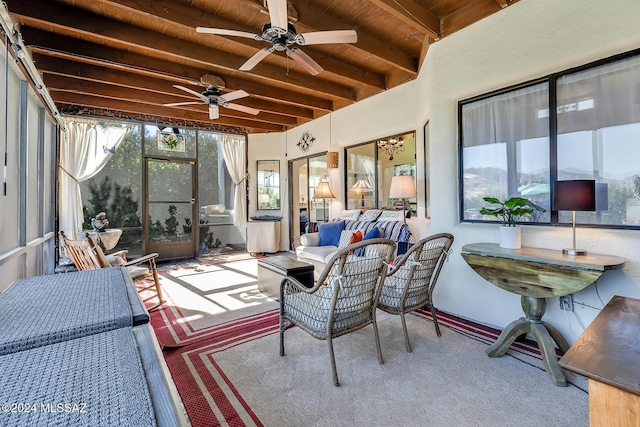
<point x="268" y="184"/>
<point x="371" y="167"/>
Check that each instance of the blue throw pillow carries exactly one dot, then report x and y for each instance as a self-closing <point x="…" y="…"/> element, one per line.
<point x="374" y="233"/>
<point x="330" y="233"/>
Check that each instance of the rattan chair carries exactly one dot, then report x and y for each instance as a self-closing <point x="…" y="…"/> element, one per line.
<point x="86" y="255"/>
<point x="343" y="299"/>
<point x="409" y="285"/>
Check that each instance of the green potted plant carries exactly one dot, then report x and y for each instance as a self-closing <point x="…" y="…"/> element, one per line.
<point x="509" y="212"/>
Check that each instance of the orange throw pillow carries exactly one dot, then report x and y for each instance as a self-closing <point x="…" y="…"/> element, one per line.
<point x="355" y="237"/>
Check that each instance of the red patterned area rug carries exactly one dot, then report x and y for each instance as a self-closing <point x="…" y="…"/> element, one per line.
<point x="229" y="372"/>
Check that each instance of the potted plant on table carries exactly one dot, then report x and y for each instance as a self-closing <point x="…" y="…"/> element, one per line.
<point x="509" y="212"/>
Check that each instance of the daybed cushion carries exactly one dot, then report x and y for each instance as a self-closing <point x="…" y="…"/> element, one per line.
<point x="330" y="233"/>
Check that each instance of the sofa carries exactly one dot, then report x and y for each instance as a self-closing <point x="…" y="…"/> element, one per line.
<point x="314" y="250"/>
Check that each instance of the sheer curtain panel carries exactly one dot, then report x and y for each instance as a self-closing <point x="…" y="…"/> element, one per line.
<point x="84" y="150"/>
<point x="233" y="149"/>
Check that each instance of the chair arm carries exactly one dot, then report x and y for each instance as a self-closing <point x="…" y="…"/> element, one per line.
<point x="142" y="259"/>
<point x="310" y="239"/>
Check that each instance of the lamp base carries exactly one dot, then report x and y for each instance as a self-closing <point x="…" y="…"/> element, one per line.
<point x="574" y="252"/>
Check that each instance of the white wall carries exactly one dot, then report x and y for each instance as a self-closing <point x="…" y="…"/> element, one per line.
<point x="525" y="41"/>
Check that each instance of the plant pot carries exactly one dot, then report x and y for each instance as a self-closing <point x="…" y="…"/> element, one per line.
<point x="510" y="237"/>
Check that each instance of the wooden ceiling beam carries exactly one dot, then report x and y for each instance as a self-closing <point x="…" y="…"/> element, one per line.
<point x="85" y="87"/>
<point x="157" y="111"/>
<point x="313" y="18"/>
<point x="46" y="14"/>
<point x="186" y="18"/>
<point x="467" y="15"/>
<point x="262" y="97"/>
<point x="85" y="75"/>
<point x="412" y="14"/>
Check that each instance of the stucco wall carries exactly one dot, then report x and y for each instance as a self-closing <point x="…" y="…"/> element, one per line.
<point x="528" y="40"/>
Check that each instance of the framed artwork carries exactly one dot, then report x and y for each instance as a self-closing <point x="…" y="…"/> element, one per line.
<point x="171" y="141"/>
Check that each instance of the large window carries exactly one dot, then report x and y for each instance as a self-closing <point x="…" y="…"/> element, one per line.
<point x="514" y="144"/>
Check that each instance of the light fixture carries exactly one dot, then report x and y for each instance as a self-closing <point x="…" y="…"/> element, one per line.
<point x="391" y="146"/>
<point x="575" y="195"/>
<point x="360" y="188"/>
<point x="324" y="192"/>
<point x="332" y="160"/>
<point x="402" y="187"/>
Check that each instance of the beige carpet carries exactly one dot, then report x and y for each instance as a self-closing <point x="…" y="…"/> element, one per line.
<point x="446" y="381"/>
<point x="221" y="345"/>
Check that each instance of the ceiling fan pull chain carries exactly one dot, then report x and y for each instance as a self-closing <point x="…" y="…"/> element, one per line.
<point x="287" y="58"/>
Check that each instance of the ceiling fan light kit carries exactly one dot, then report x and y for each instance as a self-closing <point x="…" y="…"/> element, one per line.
<point x="281" y="34"/>
<point x="214" y="99"/>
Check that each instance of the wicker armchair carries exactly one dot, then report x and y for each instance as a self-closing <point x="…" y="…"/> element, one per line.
<point x="343" y="299"/>
<point x="409" y="285"/>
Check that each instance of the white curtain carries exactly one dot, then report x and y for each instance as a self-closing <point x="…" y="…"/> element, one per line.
<point x="84" y="150"/>
<point x="233" y="149"/>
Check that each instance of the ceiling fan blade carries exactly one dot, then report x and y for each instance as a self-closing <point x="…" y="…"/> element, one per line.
<point x="175" y="104"/>
<point x="257" y="57"/>
<point x="278" y="13"/>
<point x="213" y="111"/>
<point x="326" y="37"/>
<point x="193" y="92"/>
<point x="242" y="108"/>
<point x="232" y="96"/>
<point x="305" y="60"/>
<point x="223" y="32"/>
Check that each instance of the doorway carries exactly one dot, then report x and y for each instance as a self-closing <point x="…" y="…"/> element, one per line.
<point x="169" y="208"/>
<point x="304" y="175"/>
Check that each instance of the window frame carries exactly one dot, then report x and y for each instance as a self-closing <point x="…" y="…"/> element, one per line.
<point x="551" y="80"/>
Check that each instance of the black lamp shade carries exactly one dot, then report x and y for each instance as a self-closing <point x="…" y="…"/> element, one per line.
<point x="575" y="195"/>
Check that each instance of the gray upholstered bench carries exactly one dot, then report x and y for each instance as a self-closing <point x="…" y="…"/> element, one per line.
<point x="78" y="349"/>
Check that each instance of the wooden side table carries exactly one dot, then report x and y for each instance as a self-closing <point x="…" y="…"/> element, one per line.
<point x="536" y="274"/>
<point x="608" y="354"/>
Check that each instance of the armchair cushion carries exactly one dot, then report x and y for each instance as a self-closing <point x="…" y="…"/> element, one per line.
<point x="330" y="233"/>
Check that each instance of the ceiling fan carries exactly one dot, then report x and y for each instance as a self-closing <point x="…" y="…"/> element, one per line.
<point x="214" y="99"/>
<point x="281" y="34"/>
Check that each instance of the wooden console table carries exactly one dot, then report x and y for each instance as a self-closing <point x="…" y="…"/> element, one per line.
<point x="608" y="353"/>
<point x="536" y="274"/>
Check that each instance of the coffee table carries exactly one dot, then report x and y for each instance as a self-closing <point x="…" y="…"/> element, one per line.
<point x="272" y="270"/>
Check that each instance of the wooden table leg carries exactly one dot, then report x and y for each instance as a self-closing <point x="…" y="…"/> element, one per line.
<point x="544" y="334"/>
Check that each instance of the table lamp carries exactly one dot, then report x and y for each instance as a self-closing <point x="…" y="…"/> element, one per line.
<point x="574" y="195"/>
<point x="402" y="187"/>
<point x="360" y="188"/>
<point x="324" y="192"/>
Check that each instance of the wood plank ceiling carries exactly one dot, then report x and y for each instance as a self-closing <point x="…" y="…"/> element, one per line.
<point x="122" y="58"/>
